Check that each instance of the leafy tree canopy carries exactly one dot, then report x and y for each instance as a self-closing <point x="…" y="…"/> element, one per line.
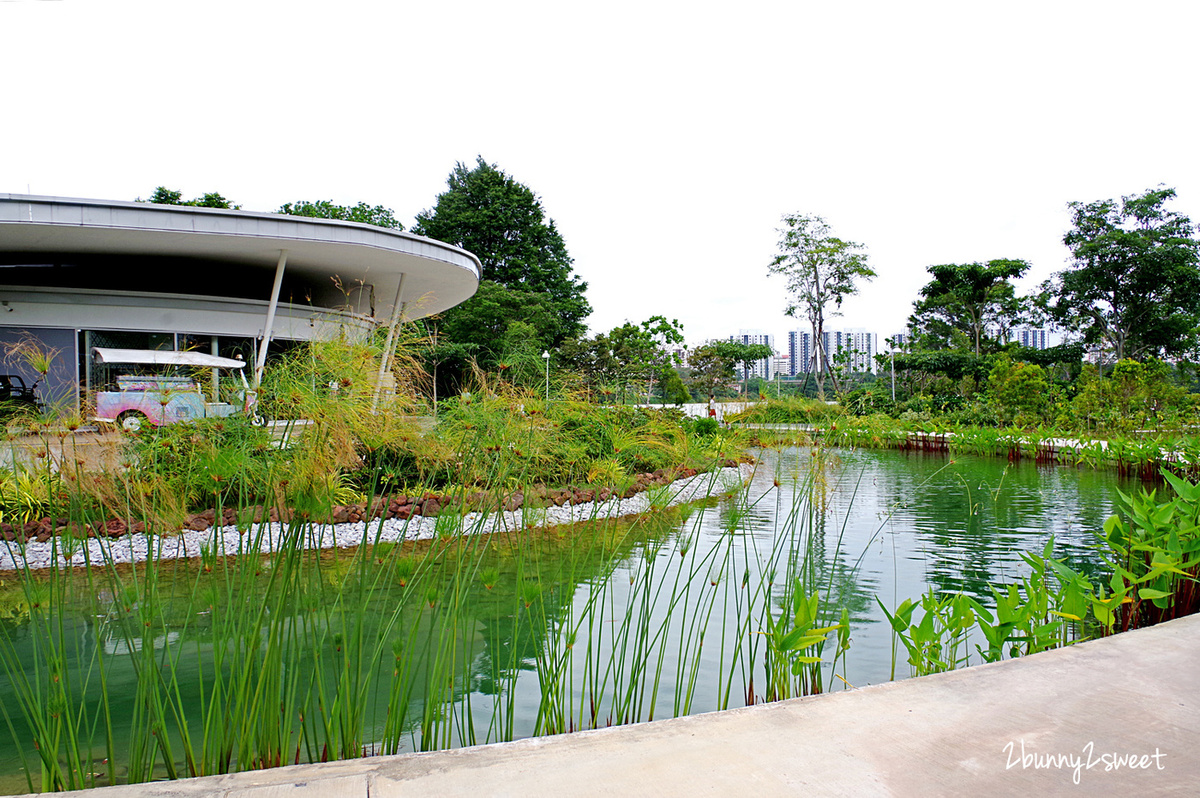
<point x="710" y="371"/>
<point x="1071" y="354"/>
<point x="626" y="353"/>
<point x="713" y="363"/>
<point x="325" y="209"/>
<point x="482" y="321"/>
<point x="643" y="349"/>
<point x="964" y="300"/>
<point x="503" y="223"/>
<point x="948" y="363"/>
<point x="165" y="196"/>
<point x="1134" y="283"/>
<point x="958" y="364"/>
<point x="742" y="354"/>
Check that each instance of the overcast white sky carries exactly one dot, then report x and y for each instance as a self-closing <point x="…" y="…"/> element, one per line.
<point x="665" y="139"/>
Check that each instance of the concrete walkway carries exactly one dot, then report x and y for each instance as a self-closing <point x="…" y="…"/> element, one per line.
<point x="700" y="409"/>
<point x="1065" y="722"/>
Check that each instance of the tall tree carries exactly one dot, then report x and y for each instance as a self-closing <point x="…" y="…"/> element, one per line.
<point x="1134" y="283"/>
<point x="968" y="298"/>
<point x="821" y="271"/>
<point x="325" y="209"/>
<point x="504" y="224"/>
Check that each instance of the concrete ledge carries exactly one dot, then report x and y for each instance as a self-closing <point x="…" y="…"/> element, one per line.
<point x="952" y="734"/>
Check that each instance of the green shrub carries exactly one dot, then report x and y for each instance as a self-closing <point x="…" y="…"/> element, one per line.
<point x="1018" y="391"/>
<point x="1131" y="396"/>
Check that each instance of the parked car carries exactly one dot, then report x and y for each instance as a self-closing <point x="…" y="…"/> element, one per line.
<point x="16" y="396"/>
<point x="166" y="398"/>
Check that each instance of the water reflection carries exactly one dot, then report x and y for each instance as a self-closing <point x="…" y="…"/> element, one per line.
<point x="625" y="621"/>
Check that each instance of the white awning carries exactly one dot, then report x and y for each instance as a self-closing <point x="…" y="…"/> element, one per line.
<point x="160" y="357"/>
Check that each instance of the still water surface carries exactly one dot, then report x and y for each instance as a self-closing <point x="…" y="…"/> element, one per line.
<point x="619" y="622"/>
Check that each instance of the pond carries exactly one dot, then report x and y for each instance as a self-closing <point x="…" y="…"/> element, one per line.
<point x="195" y="667"/>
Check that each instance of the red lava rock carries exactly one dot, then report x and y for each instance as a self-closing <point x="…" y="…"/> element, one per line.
<point x="257" y="513"/>
<point x="339" y="514"/>
<point x="42" y="529"/>
<point x="6" y="529"/>
<point x="430" y="507"/>
<point x="378" y="508"/>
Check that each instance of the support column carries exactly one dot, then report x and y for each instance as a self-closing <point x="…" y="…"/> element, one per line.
<point x="385" y="361"/>
<point x="216" y="373"/>
<point x="268" y="328"/>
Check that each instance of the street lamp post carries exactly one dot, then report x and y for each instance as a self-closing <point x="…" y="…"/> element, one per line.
<point x="546" y="357"/>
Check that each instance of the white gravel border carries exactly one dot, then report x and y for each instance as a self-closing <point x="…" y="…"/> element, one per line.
<point x="227" y="540"/>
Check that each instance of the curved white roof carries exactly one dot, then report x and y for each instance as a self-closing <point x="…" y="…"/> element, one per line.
<point x="437" y="276"/>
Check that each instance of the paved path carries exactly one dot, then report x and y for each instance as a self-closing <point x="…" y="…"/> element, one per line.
<point x="987" y="730"/>
<point x="700" y="409"/>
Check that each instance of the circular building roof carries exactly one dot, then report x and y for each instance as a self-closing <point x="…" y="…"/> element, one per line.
<point x="331" y="264"/>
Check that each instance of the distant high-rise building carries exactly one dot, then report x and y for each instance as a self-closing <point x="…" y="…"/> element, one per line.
<point x="1032" y="337"/>
<point x="765" y="368"/>
<point x="854" y="347"/>
<point x="859" y="346"/>
<point x="800" y="352"/>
